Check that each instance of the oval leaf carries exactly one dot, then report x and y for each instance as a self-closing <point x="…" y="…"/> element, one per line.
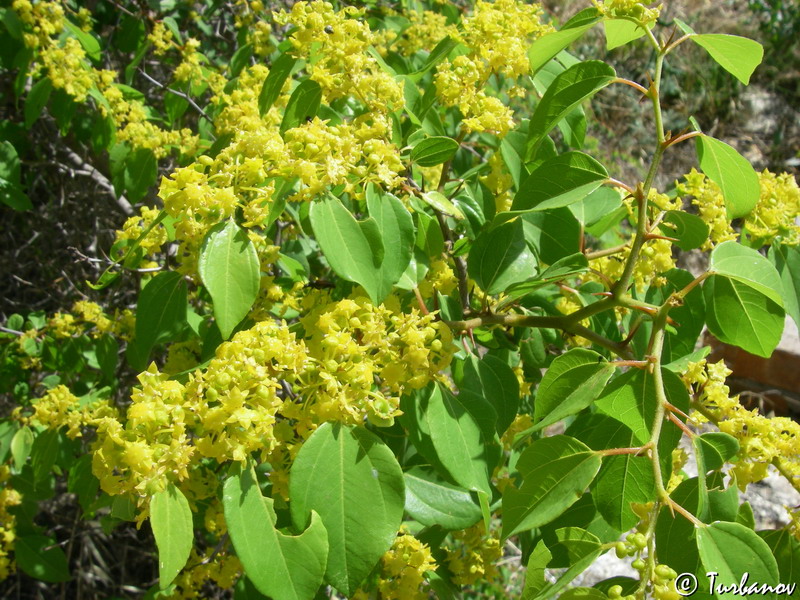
<point x="283" y="567"/>
<point x="273" y="84"/>
<point x="500" y="257"/>
<point x="39" y="557"/>
<point x="560" y="181"/>
<point x="434" y="151"/>
<point x="732" y="550"/>
<point x="352" y="479"/>
<point x="160" y="312"/>
<point x="568" y="90"/>
<point x="689" y="231"/>
<point x="440" y="202"/>
<point x="547" y="46"/>
<point x="732" y="172"/>
<point x="230" y="270"/>
<point x="303" y="104"/>
<point x="738" y="55"/>
<point x="573" y="381"/>
<point x="432" y="501"/>
<point x="171" y="520"/>
<point x="555" y="472"/>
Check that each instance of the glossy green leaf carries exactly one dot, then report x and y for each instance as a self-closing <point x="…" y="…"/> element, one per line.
<point x="353" y="481"/>
<point x="786" y="260"/>
<point x="437" y="55"/>
<point x="40" y="557"/>
<point x="560" y="181"/>
<point x="160" y="312"/>
<point x="500" y="257"/>
<point x="569" y="266"/>
<point x="303" y="104"/>
<point x="582" y="548"/>
<point x="281" y="566"/>
<point x="744" y="297"/>
<point x="573" y="125"/>
<point x="731" y="549"/>
<point x="87" y="40"/>
<point x="568" y="90"/>
<point x="535" y="577"/>
<point x="715" y="448"/>
<point x="10" y="190"/>
<point x="450" y="437"/>
<point x="547" y="46"/>
<point x="554" y="234"/>
<point x="573" y="381"/>
<point x="13" y="196"/>
<point x="738" y="55"/>
<point x="597" y="206"/>
<point x="786" y="550"/>
<point x="21" y="445"/>
<point x="493" y="380"/>
<point x="621" y="31"/>
<point x="433" y="501"/>
<point x="434" y="151"/>
<point x="171" y="520"/>
<point x="36" y="100"/>
<point x="441" y="203"/>
<point x="273" y="84"/>
<point x="396" y="228"/>
<point x="732" y="172"/>
<point x="555" y="471"/>
<point x="44" y="453"/>
<point x="139" y="173"/>
<point x="231" y="271"/>
<point x="690" y="231"/>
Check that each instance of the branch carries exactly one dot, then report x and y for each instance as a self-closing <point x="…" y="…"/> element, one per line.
<point x="100" y="179"/>
<point x="183" y="95"/>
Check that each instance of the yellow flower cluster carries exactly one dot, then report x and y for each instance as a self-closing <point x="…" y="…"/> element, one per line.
<point x="266" y="390"/>
<point x="341" y="64"/>
<point x="633" y="9"/>
<point x="427" y="29"/>
<point x="567" y="304"/>
<point x="710" y="204"/>
<point x="89" y="316"/>
<point x="43" y="19"/>
<point x="67" y="68"/>
<point x="59" y="407"/>
<point x="403" y="568"/>
<point x="439" y="278"/>
<point x="219" y="568"/>
<point x="161" y="39"/>
<point x="777" y="210"/>
<point x="762" y="440"/>
<point x="498" y="34"/>
<point x="9" y="497"/>
<point x="475" y="556"/>
<point x="499" y="182"/>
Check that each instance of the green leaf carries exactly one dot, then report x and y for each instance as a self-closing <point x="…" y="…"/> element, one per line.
<point x="493" y="380"/>
<point x="303" y="104"/>
<point x="36" y="100"/>
<point x="569" y="266"/>
<point x="437" y="55"/>
<point x="786" y="550"/>
<point x="281" y="566"/>
<point x="535" y="578"/>
<point x="554" y="234"/>
<point x="21" y="445"/>
<point x="731" y="549"/>
<point x="715" y="448"/>
<point x="621" y="31"/>
<point x="10" y="191"/>
<point x="440" y="202"/>
<point x="160" y="312"/>
<point x="690" y="231"/>
<point x="44" y="453"/>
<point x="140" y="172"/>
<point x="744" y="297"/>
<point x="786" y="260"/>
<point x="171" y="520"/>
<point x="231" y="271"/>
<point x="13" y="196"/>
<point x="433" y="501"/>
<point x="273" y="84"/>
<point x="738" y="55"/>
<point x="732" y="172"/>
<point x="500" y="257"/>
<point x="434" y="151"/>
<point x="555" y="472"/>
<point x="573" y="125"/>
<point x="352" y="479"/>
<point x="547" y="46"/>
<point x="560" y="181"/>
<point x="396" y="228"/>
<point x="573" y="381"/>
<point x="568" y="90"/>
<point x="39" y="557"/>
<point x="445" y="432"/>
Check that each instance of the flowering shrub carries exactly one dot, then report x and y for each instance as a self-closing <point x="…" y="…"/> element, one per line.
<point x="392" y="319"/>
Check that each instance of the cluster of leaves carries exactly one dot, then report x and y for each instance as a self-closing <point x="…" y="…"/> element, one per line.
<point x="391" y="315"/>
